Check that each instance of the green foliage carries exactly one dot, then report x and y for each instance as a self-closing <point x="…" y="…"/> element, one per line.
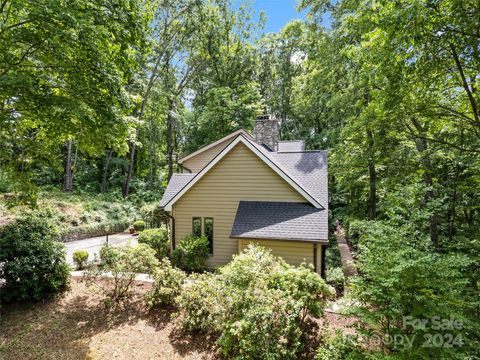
<point x="118" y="268"/>
<point x="139" y="225"/>
<point x="257" y="304"/>
<point x="167" y="286"/>
<point x="336" y="278"/>
<point x="403" y="277"/>
<point x="64" y="72"/>
<point x="340" y="347"/>
<point x="191" y="253"/>
<point x="154" y="216"/>
<point x="390" y="89"/>
<point x="266" y="327"/>
<point x="108" y="255"/>
<point x="81" y="214"/>
<point x="33" y="260"/>
<point x="77" y="231"/>
<point x="157" y="239"/>
<point x="80" y="258"/>
<point x="226" y="90"/>
<point x="199" y="303"/>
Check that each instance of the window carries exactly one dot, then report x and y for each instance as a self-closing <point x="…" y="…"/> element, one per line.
<point x="197" y="226"/>
<point x="208" y="232"/>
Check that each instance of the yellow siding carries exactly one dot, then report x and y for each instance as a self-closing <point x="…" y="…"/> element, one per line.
<point x="319" y="258"/>
<point x="198" y="162"/>
<point x="293" y="252"/>
<point x="240" y="175"/>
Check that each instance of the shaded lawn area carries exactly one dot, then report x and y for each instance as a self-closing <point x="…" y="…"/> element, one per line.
<point x="77" y="326"/>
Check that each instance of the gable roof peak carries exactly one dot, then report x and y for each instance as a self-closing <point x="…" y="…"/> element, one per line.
<point x="215" y="143"/>
<point x="262" y="153"/>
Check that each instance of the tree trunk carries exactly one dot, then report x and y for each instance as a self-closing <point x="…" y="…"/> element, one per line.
<point x="151" y="81"/>
<point x="452" y="211"/>
<point x="68" y="176"/>
<point x="451" y="214"/>
<point x="126" y="185"/>
<point x="170" y="139"/>
<point x="372" y="173"/>
<point x="104" y="185"/>
<point x="422" y="147"/>
<point x="151" y="158"/>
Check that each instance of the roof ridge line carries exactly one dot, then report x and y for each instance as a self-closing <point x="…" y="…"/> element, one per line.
<point x="290" y="179"/>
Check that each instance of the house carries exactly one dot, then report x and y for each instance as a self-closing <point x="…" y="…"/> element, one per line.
<point x="245" y="189"/>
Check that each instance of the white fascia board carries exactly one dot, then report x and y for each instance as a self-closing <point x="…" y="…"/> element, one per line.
<point x="209" y="146"/>
<point x="266" y="160"/>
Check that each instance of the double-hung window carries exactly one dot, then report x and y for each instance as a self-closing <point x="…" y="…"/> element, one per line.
<point x="208" y="232"/>
<point x="197" y="226"/>
<point x="205" y="229"/>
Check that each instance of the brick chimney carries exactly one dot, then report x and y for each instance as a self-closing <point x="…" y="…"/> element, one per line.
<point x="265" y="131"/>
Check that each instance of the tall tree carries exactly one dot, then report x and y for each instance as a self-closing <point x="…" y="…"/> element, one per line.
<point x="225" y="94"/>
<point x="64" y="67"/>
<point x="283" y="55"/>
<point x="175" y="26"/>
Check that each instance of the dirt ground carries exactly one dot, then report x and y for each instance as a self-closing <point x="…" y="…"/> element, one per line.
<point x="78" y="326"/>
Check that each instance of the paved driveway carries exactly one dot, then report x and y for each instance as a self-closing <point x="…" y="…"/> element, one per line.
<point x="93" y="245"/>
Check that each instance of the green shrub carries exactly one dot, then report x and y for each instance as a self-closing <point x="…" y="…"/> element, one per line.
<point x="201" y="304"/>
<point x="119" y="266"/>
<point x="264" y="323"/>
<point x="154" y="215"/>
<point x="108" y="255"/>
<point x="257" y="304"/>
<point x="305" y="286"/>
<point x="92" y="230"/>
<point x="33" y="261"/>
<point x="191" y="254"/>
<point x="157" y="239"/>
<point x="167" y="286"/>
<point x="139" y="225"/>
<point x="80" y="258"/>
<point x="336" y="278"/>
<point x="339" y="347"/>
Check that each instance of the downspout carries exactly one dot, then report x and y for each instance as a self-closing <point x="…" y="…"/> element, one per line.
<point x="315" y="257"/>
<point x="323" y="265"/>
<point x="173" y="230"/>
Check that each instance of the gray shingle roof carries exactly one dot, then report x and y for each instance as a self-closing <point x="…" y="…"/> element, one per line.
<point x="176" y="183"/>
<point x="307" y="168"/>
<point x="280" y="220"/>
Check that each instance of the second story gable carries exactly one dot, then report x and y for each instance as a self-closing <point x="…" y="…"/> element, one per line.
<point x="197" y="160"/>
<point x="305" y="171"/>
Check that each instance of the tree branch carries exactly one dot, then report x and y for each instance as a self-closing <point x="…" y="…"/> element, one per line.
<point x="473" y="103"/>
